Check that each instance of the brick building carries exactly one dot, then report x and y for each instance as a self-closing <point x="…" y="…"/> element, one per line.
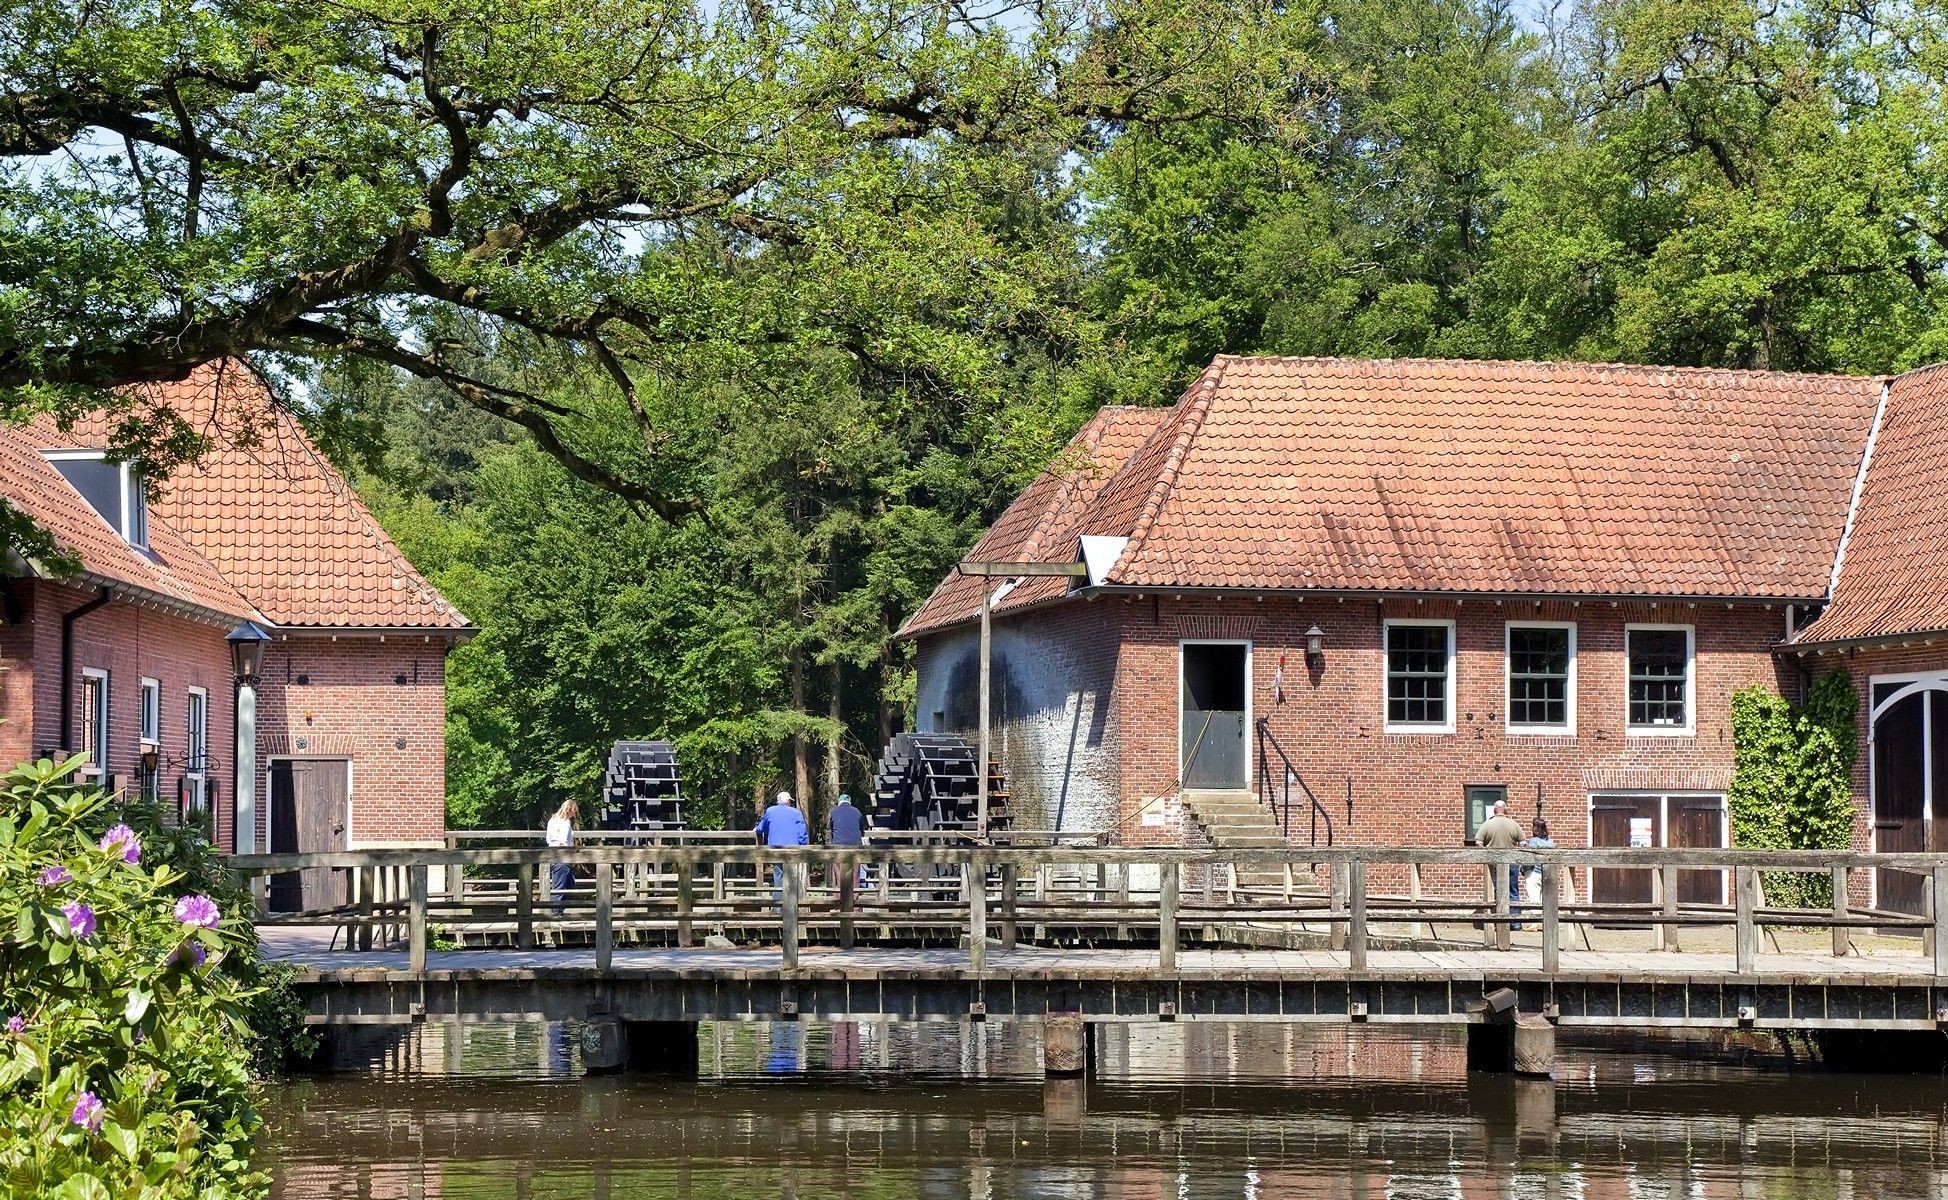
<point x="127" y="660"/>
<point x="1428" y="585"/>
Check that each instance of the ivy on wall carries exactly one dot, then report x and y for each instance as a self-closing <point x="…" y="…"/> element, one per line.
<point x="1792" y="779"/>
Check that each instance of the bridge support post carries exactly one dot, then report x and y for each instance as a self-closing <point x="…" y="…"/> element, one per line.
<point x="975" y="879"/>
<point x="1502" y="873"/>
<point x="1065" y="1044"/>
<point x="1551" y="918"/>
<point x="416" y="918"/>
<point x="1356" y="921"/>
<point x="788" y="913"/>
<point x="1010" y="932"/>
<point x="1939" y="912"/>
<point x="686" y="886"/>
<point x="1842" y="936"/>
<point x="1667" y="937"/>
<point x="605" y="913"/>
<point x="1746" y="931"/>
<point x="1336" y="906"/>
<point x="524" y="908"/>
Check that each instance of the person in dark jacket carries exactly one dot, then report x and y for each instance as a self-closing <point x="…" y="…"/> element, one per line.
<point x="846" y="826"/>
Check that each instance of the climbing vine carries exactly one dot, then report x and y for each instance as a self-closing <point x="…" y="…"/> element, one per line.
<point x="1792" y="779"/>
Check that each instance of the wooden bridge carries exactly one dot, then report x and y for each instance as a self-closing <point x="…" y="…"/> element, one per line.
<point x="663" y="936"/>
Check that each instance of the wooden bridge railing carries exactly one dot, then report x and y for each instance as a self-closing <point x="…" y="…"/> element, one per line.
<point x="965" y="891"/>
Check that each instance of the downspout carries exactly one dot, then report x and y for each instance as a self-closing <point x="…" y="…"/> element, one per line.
<point x="67" y="664"/>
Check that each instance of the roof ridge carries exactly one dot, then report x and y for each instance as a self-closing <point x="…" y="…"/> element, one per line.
<point x="1196" y="402"/>
<point x="1570" y="363"/>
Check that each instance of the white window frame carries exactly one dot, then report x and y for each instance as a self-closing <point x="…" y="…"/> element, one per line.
<point x="1568" y="727"/>
<point x="127" y="527"/>
<point x="151" y="733"/>
<point x="196" y="772"/>
<point x="1690" y="726"/>
<point x="95" y="740"/>
<point x="1386" y="674"/>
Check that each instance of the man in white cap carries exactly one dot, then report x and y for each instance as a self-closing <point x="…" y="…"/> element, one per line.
<point x="782" y="825"/>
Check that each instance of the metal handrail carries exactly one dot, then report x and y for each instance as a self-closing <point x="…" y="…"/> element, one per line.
<point x="1265" y="737"/>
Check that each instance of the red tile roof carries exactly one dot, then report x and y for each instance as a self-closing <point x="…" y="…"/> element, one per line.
<point x="271" y="518"/>
<point x="1043" y="523"/>
<point x="1893" y="570"/>
<point x="1495" y="477"/>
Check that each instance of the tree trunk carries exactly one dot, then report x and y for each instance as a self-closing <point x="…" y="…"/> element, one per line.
<point x="885" y="684"/>
<point x="800" y="759"/>
<point x="835" y="710"/>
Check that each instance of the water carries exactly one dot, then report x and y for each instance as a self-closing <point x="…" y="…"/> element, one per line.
<point x="1177" y="1111"/>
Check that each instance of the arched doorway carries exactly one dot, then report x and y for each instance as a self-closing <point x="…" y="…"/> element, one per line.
<point x="1910" y="780"/>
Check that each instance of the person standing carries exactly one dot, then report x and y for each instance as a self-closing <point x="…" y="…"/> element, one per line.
<point x="560" y="836"/>
<point x="782" y="825"/>
<point x="846" y="826"/>
<point x="1500" y="832"/>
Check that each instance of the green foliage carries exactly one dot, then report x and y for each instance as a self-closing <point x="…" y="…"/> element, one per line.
<point x="1792" y="779"/>
<point x="129" y="1003"/>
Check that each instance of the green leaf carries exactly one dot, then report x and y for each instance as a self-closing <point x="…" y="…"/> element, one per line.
<point x="137" y="1006"/>
<point x="58" y="952"/>
<point x="123" y="1140"/>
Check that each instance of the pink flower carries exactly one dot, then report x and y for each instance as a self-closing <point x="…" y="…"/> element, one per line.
<point x="81" y="920"/>
<point x="16" y="1023"/>
<point x="54" y="877"/>
<point x="87" y="1112"/>
<point x="122" y="839"/>
<point x="200" y="911"/>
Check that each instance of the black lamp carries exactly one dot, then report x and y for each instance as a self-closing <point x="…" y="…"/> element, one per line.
<point x="1315" y="645"/>
<point x="247" y="642"/>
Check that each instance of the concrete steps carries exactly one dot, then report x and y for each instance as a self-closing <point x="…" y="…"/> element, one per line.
<point x="1237" y="820"/>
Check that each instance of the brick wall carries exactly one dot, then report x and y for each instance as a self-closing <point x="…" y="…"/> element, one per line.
<point x="351" y="704"/>
<point x="1054" y="691"/>
<point x="16" y="674"/>
<point x="130" y="642"/>
<point x="380" y="703"/>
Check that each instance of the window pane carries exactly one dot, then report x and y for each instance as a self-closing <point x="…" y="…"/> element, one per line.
<point x="1538" y="676"/>
<point x="138" y="531"/>
<point x="100" y="484"/>
<point x="151" y="712"/>
<point x="198" y="747"/>
<point x="1417" y="674"/>
<point x="1660" y="665"/>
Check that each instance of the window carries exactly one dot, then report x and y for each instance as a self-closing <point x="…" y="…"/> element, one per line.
<point x="1420" y="676"/>
<point x="197" y="703"/>
<point x="151" y="712"/>
<point x="1541" y="678"/>
<point x="94" y="723"/>
<point x="1478" y="800"/>
<point x="113" y="490"/>
<point x="1660" y="678"/>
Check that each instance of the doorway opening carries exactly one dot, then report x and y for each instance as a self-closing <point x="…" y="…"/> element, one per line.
<point x="1656" y="820"/>
<point x="1910" y="782"/>
<point x="1213" y="714"/>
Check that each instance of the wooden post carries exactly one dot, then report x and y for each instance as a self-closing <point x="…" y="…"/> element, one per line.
<point x="717" y="882"/>
<point x="1746" y="933"/>
<point x="1667" y="936"/>
<point x="1286" y="869"/>
<point x="845" y="873"/>
<point x="788" y="915"/>
<point x="1940" y="914"/>
<point x="1930" y="944"/>
<point x="368" y="878"/>
<point x="456" y="883"/>
<point x="1167" y="918"/>
<point x="416" y="919"/>
<point x="1413" y="893"/>
<point x="1551" y="923"/>
<point x="524" y="908"/>
<point x="605" y="933"/>
<point x="1490" y="875"/>
<point x="1009" y="930"/>
<point x="1123" y="899"/>
<point x="686" y="886"/>
<point x="981" y="752"/>
<point x="1502" y="873"/>
<point x="1356" y="933"/>
<point x="1336" y="905"/>
<point x="1842" y="936"/>
<point x="974" y="878"/>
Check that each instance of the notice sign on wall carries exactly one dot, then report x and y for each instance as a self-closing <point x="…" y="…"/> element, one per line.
<point x="1640" y="833"/>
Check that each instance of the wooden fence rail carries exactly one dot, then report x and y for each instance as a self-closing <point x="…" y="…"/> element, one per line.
<point x="1116" y="893"/>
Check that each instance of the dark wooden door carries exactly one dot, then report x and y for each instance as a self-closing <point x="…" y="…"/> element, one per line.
<point x="1698" y="823"/>
<point x="1900" y="802"/>
<point x="1610" y="818"/>
<point x="308" y="813"/>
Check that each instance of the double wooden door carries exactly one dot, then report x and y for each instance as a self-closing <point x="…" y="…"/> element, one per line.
<point x="308" y="813"/>
<point x="1910" y="751"/>
<point x="1644" y="820"/>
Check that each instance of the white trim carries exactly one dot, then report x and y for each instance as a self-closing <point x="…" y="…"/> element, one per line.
<point x="1690" y="726"/>
<point x="97" y="767"/>
<point x="1178" y="750"/>
<point x="142" y="713"/>
<point x="1388" y="725"/>
<point x="1859" y="486"/>
<point x="1526" y="729"/>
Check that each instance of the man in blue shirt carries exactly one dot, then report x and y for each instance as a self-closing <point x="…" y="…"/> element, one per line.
<point x="846" y="826"/>
<point x="782" y="825"/>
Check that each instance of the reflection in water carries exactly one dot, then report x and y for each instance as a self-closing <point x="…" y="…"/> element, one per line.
<point x="1177" y="1111"/>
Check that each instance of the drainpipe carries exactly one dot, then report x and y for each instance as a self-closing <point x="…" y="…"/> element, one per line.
<point x="67" y="665"/>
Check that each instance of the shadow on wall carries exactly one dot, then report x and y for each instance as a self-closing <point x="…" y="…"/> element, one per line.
<point x="1047" y="732"/>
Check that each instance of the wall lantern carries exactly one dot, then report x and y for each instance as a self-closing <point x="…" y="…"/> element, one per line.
<point x="1315" y="646"/>
<point x="247" y="642"/>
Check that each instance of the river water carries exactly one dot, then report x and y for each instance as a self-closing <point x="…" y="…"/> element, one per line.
<point x="1178" y="1111"/>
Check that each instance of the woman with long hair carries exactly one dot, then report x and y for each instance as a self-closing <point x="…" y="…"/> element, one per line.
<point x="561" y="835"/>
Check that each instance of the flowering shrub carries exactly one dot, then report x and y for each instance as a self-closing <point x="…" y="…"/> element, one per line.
<point x="125" y="1060"/>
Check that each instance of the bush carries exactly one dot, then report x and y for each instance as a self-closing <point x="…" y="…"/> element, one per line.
<point x="125" y="1059"/>
<point x="1792" y="780"/>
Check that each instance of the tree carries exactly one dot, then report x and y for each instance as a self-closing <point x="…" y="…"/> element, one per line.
<point x="636" y="186"/>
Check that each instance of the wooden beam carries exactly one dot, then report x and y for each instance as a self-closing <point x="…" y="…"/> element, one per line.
<point x="1009" y="570"/>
